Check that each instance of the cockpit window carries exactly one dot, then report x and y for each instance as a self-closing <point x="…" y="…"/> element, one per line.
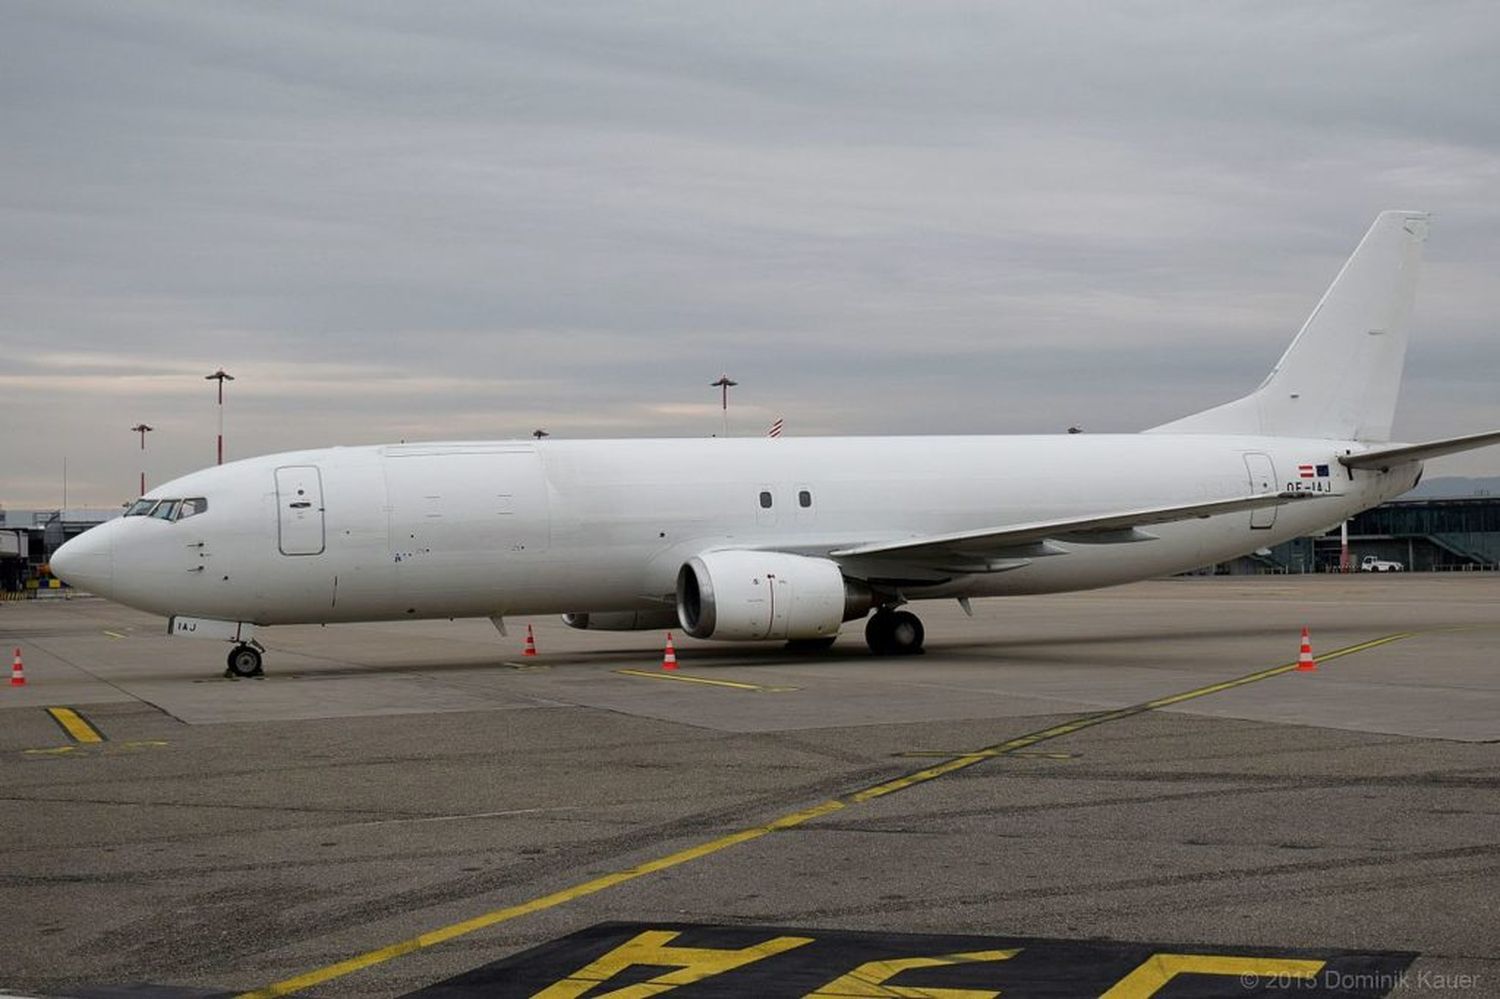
<point x="168" y="509"/>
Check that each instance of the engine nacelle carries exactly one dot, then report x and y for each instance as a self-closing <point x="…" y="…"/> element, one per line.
<point x="649" y="620"/>
<point x="744" y="596"/>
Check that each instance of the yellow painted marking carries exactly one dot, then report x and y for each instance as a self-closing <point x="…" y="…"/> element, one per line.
<point x="114" y="634"/>
<point x="97" y="747"/>
<point x="948" y="754"/>
<point x="868" y="980"/>
<point x="454" y="930"/>
<point x="692" y="964"/>
<point x="683" y="678"/>
<point x="1089" y="721"/>
<point x="1159" y="969"/>
<point x="75" y="725"/>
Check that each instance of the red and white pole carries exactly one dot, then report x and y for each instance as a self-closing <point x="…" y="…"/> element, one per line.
<point x="1344" y="547"/>
<point x="724" y="384"/>
<point x="221" y="376"/>
<point x="143" y="429"/>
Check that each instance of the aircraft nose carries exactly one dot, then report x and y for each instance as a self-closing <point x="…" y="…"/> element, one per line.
<point x="87" y="562"/>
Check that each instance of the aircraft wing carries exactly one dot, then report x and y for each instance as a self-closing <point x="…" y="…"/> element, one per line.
<point x="1386" y="457"/>
<point x="1011" y="546"/>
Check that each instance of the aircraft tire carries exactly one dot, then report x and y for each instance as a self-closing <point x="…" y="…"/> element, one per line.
<point x="907" y="634"/>
<point x="894" y="633"/>
<point x="244" y="660"/>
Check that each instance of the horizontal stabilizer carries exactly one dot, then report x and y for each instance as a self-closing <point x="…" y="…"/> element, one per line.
<point x="1104" y="528"/>
<point x="1390" y="456"/>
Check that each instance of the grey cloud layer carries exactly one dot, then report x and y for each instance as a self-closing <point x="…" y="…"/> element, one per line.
<point x="473" y="219"/>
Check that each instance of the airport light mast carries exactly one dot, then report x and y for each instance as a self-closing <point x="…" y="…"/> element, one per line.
<point x="724" y="384"/>
<point x="221" y="376"/>
<point x="143" y="430"/>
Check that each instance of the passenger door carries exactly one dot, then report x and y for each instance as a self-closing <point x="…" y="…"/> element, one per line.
<point x="1262" y="480"/>
<point x="299" y="510"/>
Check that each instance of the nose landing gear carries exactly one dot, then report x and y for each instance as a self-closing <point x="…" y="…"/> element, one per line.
<point x="894" y="633"/>
<point x="245" y="660"/>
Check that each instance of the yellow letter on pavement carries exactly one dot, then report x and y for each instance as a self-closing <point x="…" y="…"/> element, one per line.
<point x="693" y="964"/>
<point x="868" y="980"/>
<point x="1159" y="969"/>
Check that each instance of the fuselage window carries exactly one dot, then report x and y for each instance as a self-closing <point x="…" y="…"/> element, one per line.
<point x="192" y="507"/>
<point x="765" y="499"/>
<point x="804" y="498"/>
<point x="165" y="510"/>
<point x="140" y="508"/>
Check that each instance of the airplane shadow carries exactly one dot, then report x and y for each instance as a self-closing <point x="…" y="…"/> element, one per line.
<point x="851" y="650"/>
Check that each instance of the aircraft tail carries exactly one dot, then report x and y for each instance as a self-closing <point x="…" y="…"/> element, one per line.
<point x="1340" y="377"/>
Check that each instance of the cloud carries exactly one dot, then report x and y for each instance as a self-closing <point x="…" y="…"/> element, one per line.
<point x="468" y="219"/>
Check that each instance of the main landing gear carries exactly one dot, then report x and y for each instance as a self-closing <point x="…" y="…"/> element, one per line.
<point x="245" y="660"/>
<point x="894" y="633"/>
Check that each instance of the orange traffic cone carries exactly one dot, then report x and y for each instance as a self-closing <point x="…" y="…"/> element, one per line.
<point x="17" y="671"/>
<point x="1305" y="661"/>
<point x="669" y="659"/>
<point x="530" y="649"/>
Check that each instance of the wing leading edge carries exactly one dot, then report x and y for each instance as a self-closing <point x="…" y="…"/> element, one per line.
<point x="1020" y="541"/>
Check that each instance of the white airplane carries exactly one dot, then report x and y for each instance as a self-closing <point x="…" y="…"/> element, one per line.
<point x="759" y="539"/>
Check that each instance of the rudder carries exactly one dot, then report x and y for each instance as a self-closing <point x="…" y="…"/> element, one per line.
<point x="1341" y="375"/>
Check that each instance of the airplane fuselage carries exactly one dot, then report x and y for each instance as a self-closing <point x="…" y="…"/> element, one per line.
<point x="520" y="528"/>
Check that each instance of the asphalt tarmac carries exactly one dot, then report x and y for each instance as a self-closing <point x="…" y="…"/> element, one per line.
<point x="1087" y="783"/>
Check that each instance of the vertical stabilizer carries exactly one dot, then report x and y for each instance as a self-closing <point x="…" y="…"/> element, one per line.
<point x="1340" y="377"/>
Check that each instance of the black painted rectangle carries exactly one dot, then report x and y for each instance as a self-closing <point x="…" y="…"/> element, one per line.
<point x="1041" y="968"/>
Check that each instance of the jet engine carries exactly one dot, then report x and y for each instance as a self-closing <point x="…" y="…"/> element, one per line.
<point x="647" y="620"/>
<point x="746" y="595"/>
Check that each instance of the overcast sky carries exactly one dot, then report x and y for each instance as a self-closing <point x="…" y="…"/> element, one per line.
<point x="450" y="220"/>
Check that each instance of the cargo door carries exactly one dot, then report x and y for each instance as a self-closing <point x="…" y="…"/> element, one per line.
<point x="1262" y="480"/>
<point x="299" y="507"/>
<point x="467" y="521"/>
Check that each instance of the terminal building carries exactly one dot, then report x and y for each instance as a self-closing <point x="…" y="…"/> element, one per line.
<point x="27" y="540"/>
<point x="1421" y="535"/>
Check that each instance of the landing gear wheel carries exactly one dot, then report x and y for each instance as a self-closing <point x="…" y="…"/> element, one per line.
<point x="895" y="633"/>
<point x="811" y="644"/>
<point x="244" y="660"/>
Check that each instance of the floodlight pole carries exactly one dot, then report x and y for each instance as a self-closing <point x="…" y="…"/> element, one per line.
<point x="143" y="430"/>
<point x="723" y="384"/>
<point x="221" y="376"/>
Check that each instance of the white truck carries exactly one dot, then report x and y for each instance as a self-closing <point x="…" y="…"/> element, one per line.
<point x="1373" y="563"/>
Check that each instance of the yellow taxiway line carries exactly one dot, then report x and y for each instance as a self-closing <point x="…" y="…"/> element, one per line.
<point x="684" y="678"/>
<point x="75" y="725"/>
<point x="960" y="762"/>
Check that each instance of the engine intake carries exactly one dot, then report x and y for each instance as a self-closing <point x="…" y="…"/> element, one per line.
<point x="745" y="596"/>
